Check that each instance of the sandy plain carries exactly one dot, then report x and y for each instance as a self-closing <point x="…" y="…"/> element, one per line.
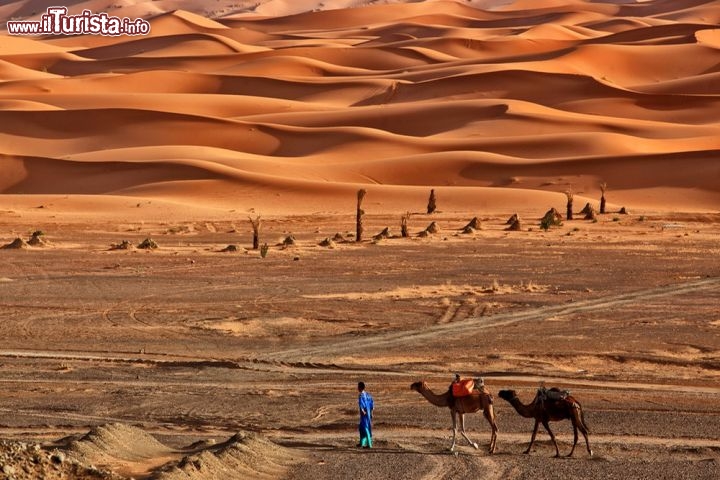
<point x="189" y="362"/>
<point x="188" y="344"/>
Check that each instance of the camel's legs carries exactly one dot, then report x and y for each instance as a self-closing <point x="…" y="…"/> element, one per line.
<point x="532" y="438"/>
<point x="552" y="437"/>
<point x="584" y="431"/>
<point x="579" y="423"/>
<point x="462" y="431"/>
<point x="454" y="430"/>
<point x="575" y="437"/>
<point x="587" y="442"/>
<point x="489" y="414"/>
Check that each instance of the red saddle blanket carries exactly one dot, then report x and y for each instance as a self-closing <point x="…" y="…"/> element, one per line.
<point x="463" y="388"/>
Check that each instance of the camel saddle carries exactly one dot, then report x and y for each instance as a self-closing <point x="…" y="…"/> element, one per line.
<point x="551" y="394"/>
<point x="463" y="387"/>
<point x="468" y="386"/>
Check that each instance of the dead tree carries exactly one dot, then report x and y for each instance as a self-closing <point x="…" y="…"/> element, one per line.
<point x="431" y="206"/>
<point x="358" y="223"/>
<point x="404" y="225"/>
<point x="603" y="188"/>
<point x="570" y="196"/>
<point x="256" y="231"/>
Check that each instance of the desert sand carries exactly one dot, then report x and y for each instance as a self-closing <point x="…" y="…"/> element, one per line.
<point x="191" y="360"/>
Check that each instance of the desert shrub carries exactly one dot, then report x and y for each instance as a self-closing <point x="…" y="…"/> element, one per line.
<point x="124" y="245"/>
<point x="327" y="242"/>
<point x="551" y="218"/>
<point x="148" y="244"/>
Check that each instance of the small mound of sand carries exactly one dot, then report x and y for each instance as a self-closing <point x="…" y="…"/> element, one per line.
<point x="16" y="244"/>
<point x="114" y="444"/>
<point x="37" y="240"/>
<point x="515" y="226"/>
<point x="432" y="228"/>
<point x="474" y="224"/>
<point x="245" y="455"/>
<point x="385" y="233"/>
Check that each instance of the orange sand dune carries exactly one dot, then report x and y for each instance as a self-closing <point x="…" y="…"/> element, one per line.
<point x="10" y="71"/>
<point x="169" y="46"/>
<point x="273" y="103"/>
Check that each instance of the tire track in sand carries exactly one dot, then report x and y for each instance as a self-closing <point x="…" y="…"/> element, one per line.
<point x="389" y="340"/>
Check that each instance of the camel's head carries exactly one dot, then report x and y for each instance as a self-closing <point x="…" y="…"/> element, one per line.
<point x="417" y="386"/>
<point x="507" y="395"/>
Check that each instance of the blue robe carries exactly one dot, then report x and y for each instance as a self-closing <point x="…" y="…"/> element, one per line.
<point x="365" y="405"/>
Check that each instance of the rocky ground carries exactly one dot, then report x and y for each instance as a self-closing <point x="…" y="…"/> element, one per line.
<point x="23" y="460"/>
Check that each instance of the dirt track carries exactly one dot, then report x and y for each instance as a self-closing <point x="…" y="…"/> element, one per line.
<point x="190" y="344"/>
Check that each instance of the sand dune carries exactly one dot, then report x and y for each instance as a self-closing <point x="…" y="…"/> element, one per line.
<point x="133" y="452"/>
<point x="117" y="443"/>
<point x="296" y="95"/>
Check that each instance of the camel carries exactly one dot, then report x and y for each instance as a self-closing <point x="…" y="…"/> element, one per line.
<point x="545" y="410"/>
<point x="459" y="406"/>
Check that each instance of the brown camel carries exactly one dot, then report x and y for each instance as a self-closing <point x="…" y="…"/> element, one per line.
<point x="459" y="406"/>
<point x="550" y="407"/>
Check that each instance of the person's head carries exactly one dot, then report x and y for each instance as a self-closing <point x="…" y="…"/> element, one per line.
<point x="457" y="377"/>
<point x="361" y="386"/>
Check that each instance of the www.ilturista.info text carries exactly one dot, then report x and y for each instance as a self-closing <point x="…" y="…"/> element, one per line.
<point x="57" y="22"/>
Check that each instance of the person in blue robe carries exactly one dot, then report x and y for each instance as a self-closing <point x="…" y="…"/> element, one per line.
<point x="365" y="405"/>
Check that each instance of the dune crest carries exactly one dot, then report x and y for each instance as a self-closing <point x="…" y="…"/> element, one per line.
<point x="245" y="455"/>
<point x="117" y="442"/>
<point x="278" y="98"/>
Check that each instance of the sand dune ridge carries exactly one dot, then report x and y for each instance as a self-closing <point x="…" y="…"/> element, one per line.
<point x="391" y="94"/>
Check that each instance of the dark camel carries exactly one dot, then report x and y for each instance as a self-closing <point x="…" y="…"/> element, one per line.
<point x="550" y="410"/>
<point x="459" y="406"/>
